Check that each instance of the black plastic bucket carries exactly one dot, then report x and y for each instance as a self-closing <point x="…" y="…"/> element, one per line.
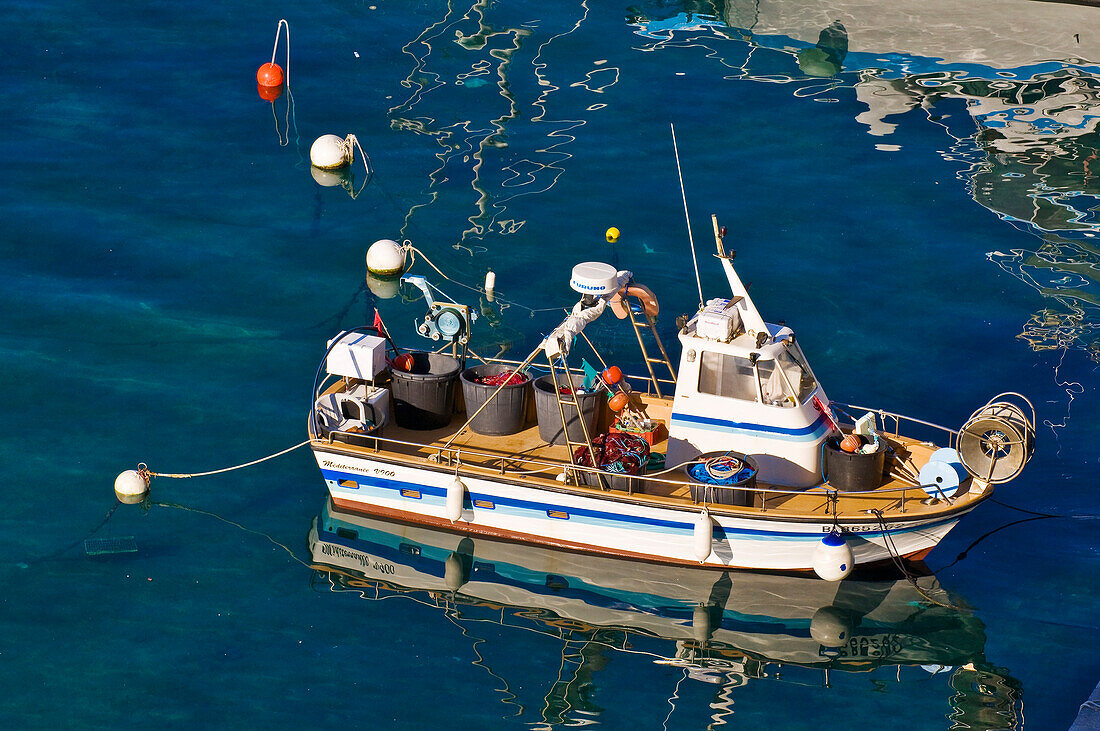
<point x="506" y="413"/>
<point x="616" y="481"/>
<point x="549" y="417"/>
<point x="852" y="471"/>
<point x="738" y="493"/>
<point x="424" y="395"/>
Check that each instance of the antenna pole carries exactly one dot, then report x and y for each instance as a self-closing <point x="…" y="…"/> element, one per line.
<point x="687" y="218"/>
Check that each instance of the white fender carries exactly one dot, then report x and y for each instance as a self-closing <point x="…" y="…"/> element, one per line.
<point x="704" y="534"/>
<point x="456" y="496"/>
<point x="833" y="557"/>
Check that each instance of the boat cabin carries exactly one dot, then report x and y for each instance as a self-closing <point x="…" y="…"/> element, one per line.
<point x="748" y="391"/>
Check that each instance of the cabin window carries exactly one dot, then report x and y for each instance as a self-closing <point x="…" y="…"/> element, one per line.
<point x="798" y="373"/>
<point x="727" y="375"/>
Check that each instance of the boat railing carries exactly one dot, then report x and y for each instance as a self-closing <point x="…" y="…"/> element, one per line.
<point x="518" y="466"/>
<point x="890" y="423"/>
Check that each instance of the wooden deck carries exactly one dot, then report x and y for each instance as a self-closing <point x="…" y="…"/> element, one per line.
<point x="525" y="456"/>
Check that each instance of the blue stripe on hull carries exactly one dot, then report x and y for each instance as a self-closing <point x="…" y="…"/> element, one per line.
<point x="391" y="489"/>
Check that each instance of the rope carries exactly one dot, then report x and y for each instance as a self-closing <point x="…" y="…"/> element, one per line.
<point x="407" y="246"/>
<point x="275" y="48"/>
<point x="351" y="144"/>
<point x="180" y="476"/>
<point x="900" y="564"/>
<point x="234" y="524"/>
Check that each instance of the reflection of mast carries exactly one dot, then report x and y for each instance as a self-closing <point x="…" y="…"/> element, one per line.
<point x="571" y="689"/>
<point x="465" y="143"/>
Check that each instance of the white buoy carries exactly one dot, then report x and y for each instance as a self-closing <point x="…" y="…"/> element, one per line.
<point x="385" y="258"/>
<point x="455" y="572"/>
<point x="490" y="284"/>
<point x="830" y="627"/>
<point x="703" y="534"/>
<point x="701" y="629"/>
<point x="329" y="152"/>
<point x="456" y="497"/>
<point x="833" y="557"/>
<point x="131" y="487"/>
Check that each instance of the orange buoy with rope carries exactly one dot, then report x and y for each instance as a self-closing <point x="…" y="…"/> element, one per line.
<point x="270" y="77"/>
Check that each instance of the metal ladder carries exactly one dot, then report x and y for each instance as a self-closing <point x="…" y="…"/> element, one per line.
<point x="634" y="309"/>
<point x="570" y="399"/>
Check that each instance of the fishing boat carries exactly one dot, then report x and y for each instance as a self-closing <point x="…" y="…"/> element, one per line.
<point x="728" y="629"/>
<point x="734" y="458"/>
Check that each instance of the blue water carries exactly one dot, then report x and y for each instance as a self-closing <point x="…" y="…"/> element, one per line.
<point x="172" y="272"/>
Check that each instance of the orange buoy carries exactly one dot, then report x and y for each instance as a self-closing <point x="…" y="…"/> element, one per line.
<point x="270" y="74"/>
<point x="612" y="375"/>
<point x="404" y="362"/>
<point x="851" y="443"/>
<point x="618" y="402"/>
<point x="269" y="93"/>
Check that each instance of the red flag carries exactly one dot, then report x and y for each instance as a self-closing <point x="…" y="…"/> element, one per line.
<point x="381" y="328"/>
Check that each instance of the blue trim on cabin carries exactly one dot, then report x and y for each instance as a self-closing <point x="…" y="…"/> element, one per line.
<point x="810" y="433"/>
<point x="530" y="508"/>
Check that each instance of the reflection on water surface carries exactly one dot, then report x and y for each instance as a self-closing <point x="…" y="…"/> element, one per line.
<point x="724" y="629"/>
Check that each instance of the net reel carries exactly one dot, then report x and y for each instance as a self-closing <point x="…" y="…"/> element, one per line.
<point x="998" y="439"/>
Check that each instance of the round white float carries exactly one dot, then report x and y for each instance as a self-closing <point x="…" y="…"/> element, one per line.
<point x="833" y="557"/>
<point x="131" y="487"/>
<point x="328" y="152"/>
<point x="385" y="258"/>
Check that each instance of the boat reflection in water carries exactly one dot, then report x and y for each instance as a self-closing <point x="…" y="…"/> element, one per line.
<point x="725" y="628"/>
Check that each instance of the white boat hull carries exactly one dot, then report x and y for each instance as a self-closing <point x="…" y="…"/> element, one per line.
<point x="609" y="523"/>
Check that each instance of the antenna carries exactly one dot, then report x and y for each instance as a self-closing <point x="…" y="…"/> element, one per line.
<point x="687" y="218"/>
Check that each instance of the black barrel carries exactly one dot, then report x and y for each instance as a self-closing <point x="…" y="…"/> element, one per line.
<point x="423" y="396"/>
<point x="546" y="408"/>
<point x="506" y="413"/>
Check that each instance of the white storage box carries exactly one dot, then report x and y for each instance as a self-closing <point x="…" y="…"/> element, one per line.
<point x="719" y="321"/>
<point x="356" y="355"/>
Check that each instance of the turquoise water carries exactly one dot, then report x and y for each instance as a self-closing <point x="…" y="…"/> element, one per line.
<point x="172" y="271"/>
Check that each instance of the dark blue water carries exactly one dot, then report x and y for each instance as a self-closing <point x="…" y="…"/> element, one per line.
<point x="926" y="220"/>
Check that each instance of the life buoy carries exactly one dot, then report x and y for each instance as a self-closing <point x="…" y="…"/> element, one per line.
<point x="644" y="295"/>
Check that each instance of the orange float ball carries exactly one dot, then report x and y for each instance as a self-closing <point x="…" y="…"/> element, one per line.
<point x="851" y="443"/>
<point x="612" y="375"/>
<point x="270" y="74"/>
<point x="404" y="362"/>
<point x="269" y="93"/>
<point x="618" y="402"/>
